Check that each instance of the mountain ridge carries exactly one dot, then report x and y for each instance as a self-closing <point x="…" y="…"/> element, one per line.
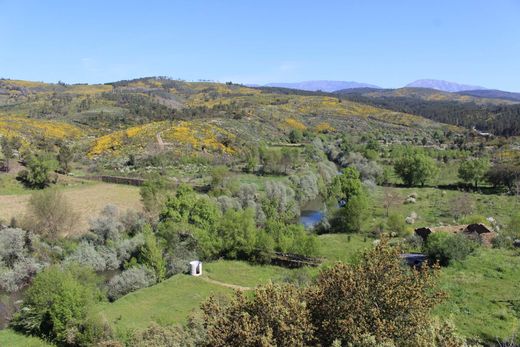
<point x="442" y="85"/>
<point x="323" y="85"/>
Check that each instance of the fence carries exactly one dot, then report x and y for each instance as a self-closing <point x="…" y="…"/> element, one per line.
<point x="116" y="180"/>
<point x="290" y="260"/>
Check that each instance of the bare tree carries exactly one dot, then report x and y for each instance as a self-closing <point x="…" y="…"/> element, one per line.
<point x="461" y="206"/>
<point x="390" y="199"/>
<point x="49" y="214"/>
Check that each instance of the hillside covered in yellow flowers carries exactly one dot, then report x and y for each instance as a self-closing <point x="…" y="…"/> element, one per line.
<point x="150" y="115"/>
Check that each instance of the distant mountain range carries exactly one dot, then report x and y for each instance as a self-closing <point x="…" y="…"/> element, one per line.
<point x="445" y="86"/>
<point x="334" y="86"/>
<point x="324" y="86"/>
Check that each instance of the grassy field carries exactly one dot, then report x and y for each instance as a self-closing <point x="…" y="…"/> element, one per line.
<point x="168" y="302"/>
<point x="172" y="300"/>
<point x="10" y="186"/>
<point x="244" y="274"/>
<point x="86" y="198"/>
<point x="9" y="338"/>
<point x="434" y="206"/>
<point x="483" y="294"/>
<point x="342" y="247"/>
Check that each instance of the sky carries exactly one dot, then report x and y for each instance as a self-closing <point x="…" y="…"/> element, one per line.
<point x="387" y="43"/>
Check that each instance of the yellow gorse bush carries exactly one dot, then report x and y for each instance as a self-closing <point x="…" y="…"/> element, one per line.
<point x="114" y="141"/>
<point x="295" y="124"/>
<point x="198" y="135"/>
<point x="324" y="127"/>
<point x="28" y="129"/>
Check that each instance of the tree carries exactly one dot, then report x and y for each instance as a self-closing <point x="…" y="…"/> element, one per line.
<point x="474" y="170"/>
<point x="219" y="175"/>
<point x="38" y="172"/>
<point x="198" y="217"/>
<point x="251" y="159"/>
<point x="351" y="217"/>
<point x="151" y="254"/>
<point x="276" y="315"/>
<point x="503" y="175"/>
<point x="65" y="156"/>
<point x="154" y="193"/>
<point x="237" y="232"/>
<point x="50" y="214"/>
<point x="279" y="202"/>
<point x="390" y="199"/>
<point x="289" y="158"/>
<point x="346" y="185"/>
<point x="188" y="207"/>
<point x="57" y="303"/>
<point x="377" y="297"/>
<point x="415" y="169"/>
<point x="270" y="160"/>
<point x="7" y="152"/>
<point x="295" y="136"/>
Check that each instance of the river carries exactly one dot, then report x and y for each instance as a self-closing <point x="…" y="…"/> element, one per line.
<point x="312" y="213"/>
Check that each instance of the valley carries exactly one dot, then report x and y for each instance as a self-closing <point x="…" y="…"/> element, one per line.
<point x="234" y="175"/>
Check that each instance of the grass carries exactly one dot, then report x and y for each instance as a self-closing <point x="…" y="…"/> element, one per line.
<point x="168" y="302"/>
<point x="342" y="247"/>
<point x="435" y="206"/>
<point x="10" y="186"/>
<point x="171" y="301"/>
<point x="483" y="293"/>
<point x="9" y="338"/>
<point x="86" y="198"/>
<point x="244" y="274"/>
<point x="260" y="181"/>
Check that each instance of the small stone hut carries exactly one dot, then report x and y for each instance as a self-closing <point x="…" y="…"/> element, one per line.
<point x="478" y="232"/>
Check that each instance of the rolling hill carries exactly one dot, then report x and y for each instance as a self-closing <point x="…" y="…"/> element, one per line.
<point x="150" y="114"/>
<point x="492" y="94"/>
<point x="498" y="116"/>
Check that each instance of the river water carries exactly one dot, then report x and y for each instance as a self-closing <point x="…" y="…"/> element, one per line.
<point x="312" y="213"/>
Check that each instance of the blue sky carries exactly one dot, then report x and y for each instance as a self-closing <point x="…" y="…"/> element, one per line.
<point x="388" y="43"/>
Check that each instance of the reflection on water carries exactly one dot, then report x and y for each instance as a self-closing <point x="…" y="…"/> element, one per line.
<point x="312" y="213"/>
<point x="310" y="218"/>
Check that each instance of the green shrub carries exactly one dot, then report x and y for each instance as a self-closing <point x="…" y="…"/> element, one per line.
<point x="351" y="217"/>
<point x="396" y="224"/>
<point x="38" y="172"/>
<point x="130" y="280"/>
<point x="445" y="247"/>
<point x="57" y="303"/>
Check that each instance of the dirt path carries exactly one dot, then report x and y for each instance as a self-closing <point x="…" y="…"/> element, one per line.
<point x="160" y="142"/>
<point x="223" y="284"/>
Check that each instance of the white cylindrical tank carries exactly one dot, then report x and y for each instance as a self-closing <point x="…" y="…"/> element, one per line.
<point x="195" y="268"/>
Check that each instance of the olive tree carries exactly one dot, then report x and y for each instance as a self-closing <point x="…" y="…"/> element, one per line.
<point x="474" y="170"/>
<point x="416" y="169"/>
